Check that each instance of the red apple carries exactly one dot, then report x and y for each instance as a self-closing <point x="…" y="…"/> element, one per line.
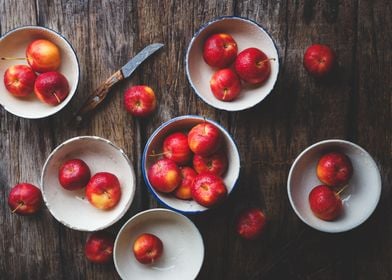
<point x="215" y="163"/>
<point x="225" y="84"/>
<point x="334" y="169"/>
<point x="19" y="80"/>
<point x="99" y="247"/>
<point x="51" y="88"/>
<point x="325" y="203"/>
<point x="74" y="174"/>
<point x="103" y="190"/>
<point x="43" y="56"/>
<point x="175" y="147"/>
<point x="204" y="139"/>
<point x="25" y="199"/>
<point x="140" y="101"/>
<point x="319" y="60"/>
<point x="253" y="66"/>
<point x="220" y="50"/>
<point x="147" y="248"/>
<point x="208" y="189"/>
<point x="251" y="223"/>
<point x="164" y="175"/>
<point x="184" y="191"/>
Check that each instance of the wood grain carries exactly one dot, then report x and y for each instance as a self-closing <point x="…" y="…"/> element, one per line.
<point x="355" y="103"/>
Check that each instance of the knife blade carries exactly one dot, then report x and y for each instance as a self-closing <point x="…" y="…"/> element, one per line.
<point x="101" y="92"/>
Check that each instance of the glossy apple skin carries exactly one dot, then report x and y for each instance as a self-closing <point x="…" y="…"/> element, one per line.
<point x="19" y="80"/>
<point x="103" y="190"/>
<point x="220" y="50"/>
<point x="43" y="56"/>
<point x="99" y="247"/>
<point x="334" y="169"/>
<point x="208" y="189"/>
<point x="184" y="190"/>
<point x="253" y="66"/>
<point x="164" y="175"/>
<point x="74" y="174"/>
<point x="204" y="139"/>
<point x="225" y="84"/>
<point x="25" y="199"/>
<point x="175" y="147"/>
<point x="140" y="101"/>
<point x="251" y="223"/>
<point x="147" y="248"/>
<point x="215" y="163"/>
<point x="325" y="203"/>
<point x="319" y="60"/>
<point x="51" y="88"/>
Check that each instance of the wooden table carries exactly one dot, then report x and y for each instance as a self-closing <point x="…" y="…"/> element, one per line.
<point x="355" y="104"/>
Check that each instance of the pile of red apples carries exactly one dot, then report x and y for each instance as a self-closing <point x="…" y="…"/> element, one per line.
<point x="192" y="165"/>
<point x="49" y="86"/>
<point x="251" y="66"/>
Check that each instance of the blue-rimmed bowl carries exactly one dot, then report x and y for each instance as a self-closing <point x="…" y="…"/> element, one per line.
<point x="246" y="33"/>
<point x="14" y="44"/>
<point x="154" y="145"/>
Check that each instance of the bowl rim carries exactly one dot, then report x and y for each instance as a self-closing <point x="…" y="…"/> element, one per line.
<point x="201" y="29"/>
<point x="68" y="43"/>
<point x="94" y="138"/>
<point x="156" y="131"/>
<point x="334" y="141"/>
<point x="156" y="210"/>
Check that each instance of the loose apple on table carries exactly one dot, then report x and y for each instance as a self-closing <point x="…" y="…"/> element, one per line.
<point x="99" y="247"/>
<point x="25" y="199"/>
<point x="319" y="60"/>
<point x="140" y="101"/>
<point x="251" y="223"/>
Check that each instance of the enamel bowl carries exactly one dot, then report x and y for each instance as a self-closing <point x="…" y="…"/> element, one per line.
<point x="154" y="145"/>
<point x="72" y="208"/>
<point x="247" y="34"/>
<point x="14" y="44"/>
<point x="359" y="199"/>
<point x="183" y="249"/>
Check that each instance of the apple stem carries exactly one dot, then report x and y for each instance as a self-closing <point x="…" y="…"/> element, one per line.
<point x="108" y="194"/>
<point x="156" y="155"/>
<point x="265" y="60"/>
<point x="58" y="99"/>
<point x="12" y="58"/>
<point x="19" y="205"/>
<point x="342" y="189"/>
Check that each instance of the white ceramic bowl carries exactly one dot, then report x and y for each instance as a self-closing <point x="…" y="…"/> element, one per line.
<point x="185" y="123"/>
<point x="72" y="208"/>
<point x="247" y="34"/>
<point x="183" y="249"/>
<point x="359" y="199"/>
<point x="14" y="44"/>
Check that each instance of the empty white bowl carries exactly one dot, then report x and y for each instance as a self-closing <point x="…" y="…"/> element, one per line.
<point x="183" y="249"/>
<point x="154" y="144"/>
<point x="360" y="198"/>
<point x="14" y="44"/>
<point x="247" y="34"/>
<point x="72" y="208"/>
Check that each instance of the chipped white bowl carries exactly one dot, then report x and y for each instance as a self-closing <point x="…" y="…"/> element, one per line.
<point x="14" y="44"/>
<point x="359" y="199"/>
<point x="185" y="123"/>
<point x="247" y="34"/>
<point x="183" y="249"/>
<point x="72" y="208"/>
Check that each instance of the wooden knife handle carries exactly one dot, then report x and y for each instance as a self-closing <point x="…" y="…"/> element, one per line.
<point x="98" y="96"/>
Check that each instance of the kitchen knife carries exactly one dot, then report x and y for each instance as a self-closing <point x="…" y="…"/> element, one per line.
<point x="101" y="92"/>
